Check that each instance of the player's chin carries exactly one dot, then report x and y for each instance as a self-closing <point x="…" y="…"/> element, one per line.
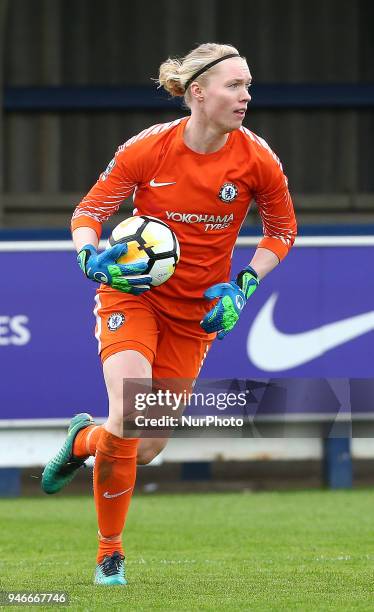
<point x="237" y="120"/>
<point x="232" y="125"/>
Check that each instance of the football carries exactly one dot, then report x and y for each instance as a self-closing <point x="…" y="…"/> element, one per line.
<point x="150" y="239"/>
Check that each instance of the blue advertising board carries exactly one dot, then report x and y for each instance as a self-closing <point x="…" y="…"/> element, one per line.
<point x="312" y="317"/>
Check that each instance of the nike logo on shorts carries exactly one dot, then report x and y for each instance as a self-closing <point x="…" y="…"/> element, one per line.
<point x="154" y="184"/>
<point x="110" y="495"/>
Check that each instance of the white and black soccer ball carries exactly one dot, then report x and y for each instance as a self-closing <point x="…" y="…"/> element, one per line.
<point x="150" y="239"/>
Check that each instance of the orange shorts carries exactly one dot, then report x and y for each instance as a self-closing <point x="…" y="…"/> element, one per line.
<point x="167" y="333"/>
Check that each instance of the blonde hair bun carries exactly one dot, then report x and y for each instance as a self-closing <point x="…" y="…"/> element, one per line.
<point x="174" y="74"/>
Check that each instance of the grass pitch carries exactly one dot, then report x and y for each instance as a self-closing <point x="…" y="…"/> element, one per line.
<point x="303" y="551"/>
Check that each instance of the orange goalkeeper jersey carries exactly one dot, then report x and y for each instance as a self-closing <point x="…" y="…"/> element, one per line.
<point x="204" y="198"/>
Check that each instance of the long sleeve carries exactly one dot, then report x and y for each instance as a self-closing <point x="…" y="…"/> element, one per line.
<point x="104" y="199"/>
<point x="275" y="207"/>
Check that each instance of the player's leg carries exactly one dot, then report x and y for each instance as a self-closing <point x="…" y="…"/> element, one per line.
<point x="149" y="448"/>
<point x="85" y="445"/>
<point x="127" y="333"/>
<point x="117" y="324"/>
<point x="119" y="320"/>
<point x="115" y="463"/>
<point x="181" y="350"/>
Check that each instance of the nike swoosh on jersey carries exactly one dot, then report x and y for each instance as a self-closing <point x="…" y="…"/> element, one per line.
<point x="110" y="495"/>
<point x="273" y="351"/>
<point x="154" y="184"/>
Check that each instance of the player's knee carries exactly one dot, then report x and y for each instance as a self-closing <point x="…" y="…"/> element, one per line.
<point x="146" y="455"/>
<point x="146" y="458"/>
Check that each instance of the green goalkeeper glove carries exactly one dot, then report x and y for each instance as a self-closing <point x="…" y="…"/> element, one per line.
<point x="233" y="297"/>
<point x="103" y="268"/>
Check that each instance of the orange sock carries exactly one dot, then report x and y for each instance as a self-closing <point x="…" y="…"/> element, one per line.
<point x="86" y="441"/>
<point x="114" y="481"/>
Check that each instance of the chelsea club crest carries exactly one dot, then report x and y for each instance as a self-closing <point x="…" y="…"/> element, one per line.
<point x="228" y="192"/>
<point x="115" y="321"/>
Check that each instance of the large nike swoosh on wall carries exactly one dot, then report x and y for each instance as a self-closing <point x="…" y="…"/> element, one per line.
<point x="273" y="351"/>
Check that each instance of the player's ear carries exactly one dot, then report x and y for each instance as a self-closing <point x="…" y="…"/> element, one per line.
<point x="196" y="91"/>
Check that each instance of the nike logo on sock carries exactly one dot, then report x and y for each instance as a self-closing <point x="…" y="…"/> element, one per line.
<point x="110" y="495"/>
<point x="154" y="184"/>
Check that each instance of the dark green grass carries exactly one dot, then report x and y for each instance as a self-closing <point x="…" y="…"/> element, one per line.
<point x="263" y="551"/>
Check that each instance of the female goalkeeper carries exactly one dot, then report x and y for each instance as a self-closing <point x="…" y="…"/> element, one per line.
<point x="199" y="174"/>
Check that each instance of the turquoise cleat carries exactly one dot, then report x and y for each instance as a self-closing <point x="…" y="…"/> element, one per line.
<point x="111" y="570"/>
<point x="61" y="470"/>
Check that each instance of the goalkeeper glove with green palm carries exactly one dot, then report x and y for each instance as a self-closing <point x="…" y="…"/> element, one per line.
<point x="103" y="268"/>
<point x="233" y="297"/>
